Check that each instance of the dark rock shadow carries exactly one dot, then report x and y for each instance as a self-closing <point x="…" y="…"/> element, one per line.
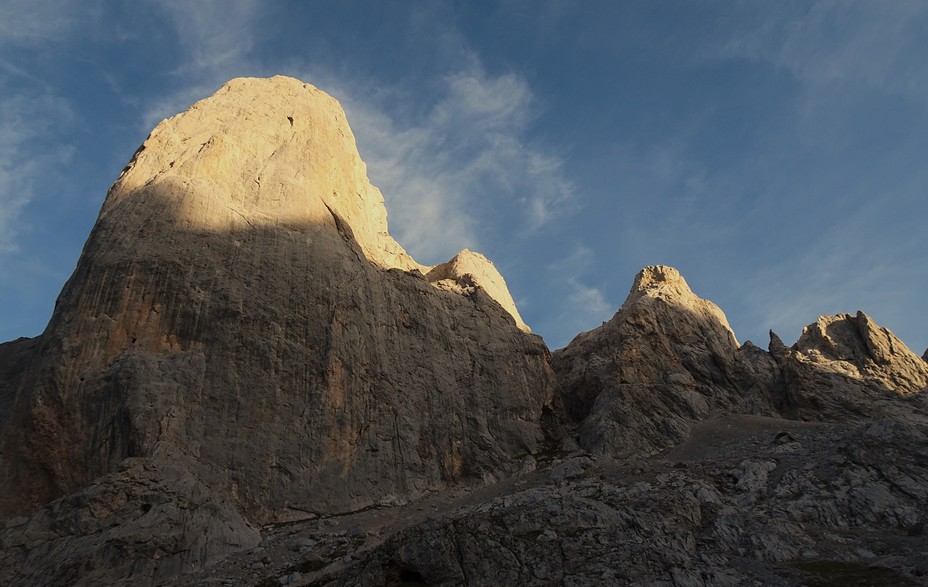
<point x="297" y="377"/>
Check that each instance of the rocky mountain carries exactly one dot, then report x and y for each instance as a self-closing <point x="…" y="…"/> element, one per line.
<point x="241" y="321"/>
<point x="247" y="381"/>
<point x="846" y="367"/>
<point x="666" y="359"/>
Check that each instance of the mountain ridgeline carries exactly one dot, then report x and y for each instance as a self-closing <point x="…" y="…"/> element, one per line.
<point x="244" y="355"/>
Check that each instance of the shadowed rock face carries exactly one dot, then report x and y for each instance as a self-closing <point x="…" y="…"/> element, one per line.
<point x="746" y="500"/>
<point x="242" y="344"/>
<point x="149" y="521"/>
<point x="240" y="300"/>
<point x="667" y="358"/>
<point x="846" y="367"/>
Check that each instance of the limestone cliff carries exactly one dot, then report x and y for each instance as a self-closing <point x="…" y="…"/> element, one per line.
<point x="241" y="303"/>
<point x="469" y="270"/>
<point x="860" y="348"/>
<point x="667" y="358"/>
<point x="847" y="367"/>
<point x="248" y="381"/>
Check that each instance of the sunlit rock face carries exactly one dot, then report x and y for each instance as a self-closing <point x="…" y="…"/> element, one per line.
<point x="248" y="381"/>
<point x="847" y="367"/>
<point x="857" y="346"/>
<point x="666" y="359"/>
<point x="669" y="358"/>
<point x="259" y="153"/>
<point x="241" y="301"/>
<point x="468" y="270"/>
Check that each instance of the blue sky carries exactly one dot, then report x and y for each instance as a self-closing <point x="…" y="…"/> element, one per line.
<point x="774" y="152"/>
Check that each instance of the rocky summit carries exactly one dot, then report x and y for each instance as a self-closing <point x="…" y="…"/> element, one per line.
<point x="247" y="381"/>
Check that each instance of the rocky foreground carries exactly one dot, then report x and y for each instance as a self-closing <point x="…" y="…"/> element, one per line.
<point x="247" y="381"/>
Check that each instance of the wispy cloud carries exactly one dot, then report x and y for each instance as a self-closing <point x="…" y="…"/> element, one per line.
<point x="873" y="43"/>
<point x="851" y="265"/>
<point x="583" y="306"/>
<point x="462" y="161"/>
<point x="23" y="159"/>
<point x="42" y="21"/>
<point x="216" y="38"/>
<point x="215" y="34"/>
<point x="31" y="110"/>
<point x="463" y="164"/>
<point x="158" y="108"/>
<point x="858" y="71"/>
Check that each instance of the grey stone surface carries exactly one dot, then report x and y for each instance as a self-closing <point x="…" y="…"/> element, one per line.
<point x="847" y="508"/>
<point x="248" y="382"/>
<point x="845" y="367"/>
<point x="240" y="300"/>
<point x="666" y="359"/>
<point x="144" y="524"/>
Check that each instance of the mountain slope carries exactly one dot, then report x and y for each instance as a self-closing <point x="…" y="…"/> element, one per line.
<point x="240" y="306"/>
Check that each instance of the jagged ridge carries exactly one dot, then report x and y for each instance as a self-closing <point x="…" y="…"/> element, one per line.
<point x="243" y="343"/>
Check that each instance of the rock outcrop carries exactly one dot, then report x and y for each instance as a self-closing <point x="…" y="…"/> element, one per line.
<point x="863" y="350"/>
<point x="846" y="367"/>
<point x="745" y="500"/>
<point x="724" y="521"/>
<point x="669" y="358"/>
<point x="144" y="524"/>
<point x="666" y="359"/>
<point x="247" y="381"/>
<point x="241" y="301"/>
<point x="469" y="270"/>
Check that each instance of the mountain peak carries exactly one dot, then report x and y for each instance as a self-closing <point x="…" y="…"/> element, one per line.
<point x="658" y="276"/>
<point x="666" y="284"/>
<point x="863" y="350"/>
<point x="267" y="152"/>
<point x="261" y="152"/>
<point x="470" y="269"/>
<point x="241" y="262"/>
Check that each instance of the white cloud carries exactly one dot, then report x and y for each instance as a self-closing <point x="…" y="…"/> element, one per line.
<point x="23" y="162"/>
<point x="848" y="266"/>
<point x="464" y="163"/>
<point x="30" y="109"/>
<point x="583" y="306"/>
<point x="490" y="105"/>
<point x="589" y="302"/>
<point x="41" y="21"/>
<point x="873" y="43"/>
<point x="216" y="37"/>
<point x="168" y="105"/>
<point x="215" y="34"/>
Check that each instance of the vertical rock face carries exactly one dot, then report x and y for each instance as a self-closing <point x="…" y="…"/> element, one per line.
<point x="14" y="357"/>
<point x="243" y="343"/>
<point x="240" y="300"/>
<point x="667" y="358"/>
